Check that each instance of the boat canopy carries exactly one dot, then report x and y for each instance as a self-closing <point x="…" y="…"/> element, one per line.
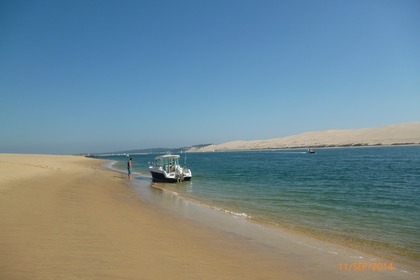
<point x="167" y="156"/>
<point x="168" y="162"/>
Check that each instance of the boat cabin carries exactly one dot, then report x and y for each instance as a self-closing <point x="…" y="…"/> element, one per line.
<point x="167" y="162"/>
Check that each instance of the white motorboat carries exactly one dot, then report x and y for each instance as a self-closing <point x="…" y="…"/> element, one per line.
<point x="167" y="169"/>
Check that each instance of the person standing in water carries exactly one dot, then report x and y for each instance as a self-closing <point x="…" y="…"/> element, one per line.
<point x="129" y="168"/>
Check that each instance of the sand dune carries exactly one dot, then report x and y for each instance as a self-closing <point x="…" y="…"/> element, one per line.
<point x="402" y="134"/>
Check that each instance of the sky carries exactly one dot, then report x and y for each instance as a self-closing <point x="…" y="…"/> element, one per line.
<point x="98" y="76"/>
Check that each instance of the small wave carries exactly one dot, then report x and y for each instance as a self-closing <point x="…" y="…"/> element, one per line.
<point x="174" y="193"/>
<point x="237" y="214"/>
<point x="110" y="166"/>
<point x="197" y="202"/>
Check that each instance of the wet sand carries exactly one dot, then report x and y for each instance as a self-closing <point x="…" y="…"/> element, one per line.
<point x="65" y="217"/>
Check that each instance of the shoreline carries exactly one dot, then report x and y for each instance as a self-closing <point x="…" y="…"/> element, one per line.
<point x="67" y="217"/>
<point x="304" y="148"/>
<point x="401" y="134"/>
<point x="230" y="222"/>
<point x="366" y="247"/>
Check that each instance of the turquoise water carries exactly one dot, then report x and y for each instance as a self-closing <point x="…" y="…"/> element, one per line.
<point x="365" y="198"/>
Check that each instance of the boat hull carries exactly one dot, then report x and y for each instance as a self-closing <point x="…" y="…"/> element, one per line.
<point x="160" y="177"/>
<point x="166" y="169"/>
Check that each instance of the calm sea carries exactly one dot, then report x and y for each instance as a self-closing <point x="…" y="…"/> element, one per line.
<point x="365" y="198"/>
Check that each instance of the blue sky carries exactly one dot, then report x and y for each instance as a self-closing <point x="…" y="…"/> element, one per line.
<point x="97" y="76"/>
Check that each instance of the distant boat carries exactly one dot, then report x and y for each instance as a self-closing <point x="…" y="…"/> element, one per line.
<point x="167" y="169"/>
<point x="311" y="151"/>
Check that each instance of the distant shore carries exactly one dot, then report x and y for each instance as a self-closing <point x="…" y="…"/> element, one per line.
<point x="300" y="148"/>
<point x="393" y="135"/>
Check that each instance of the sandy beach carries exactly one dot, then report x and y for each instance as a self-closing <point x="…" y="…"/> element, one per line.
<point x="66" y="217"/>
<point x="63" y="217"/>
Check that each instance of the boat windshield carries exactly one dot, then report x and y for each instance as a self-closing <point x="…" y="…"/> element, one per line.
<point x="167" y="163"/>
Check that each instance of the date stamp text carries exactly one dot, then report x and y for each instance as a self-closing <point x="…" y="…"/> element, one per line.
<point x="365" y="266"/>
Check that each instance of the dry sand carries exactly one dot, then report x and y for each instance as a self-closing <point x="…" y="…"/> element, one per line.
<point x="402" y="134"/>
<point x="65" y="217"/>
